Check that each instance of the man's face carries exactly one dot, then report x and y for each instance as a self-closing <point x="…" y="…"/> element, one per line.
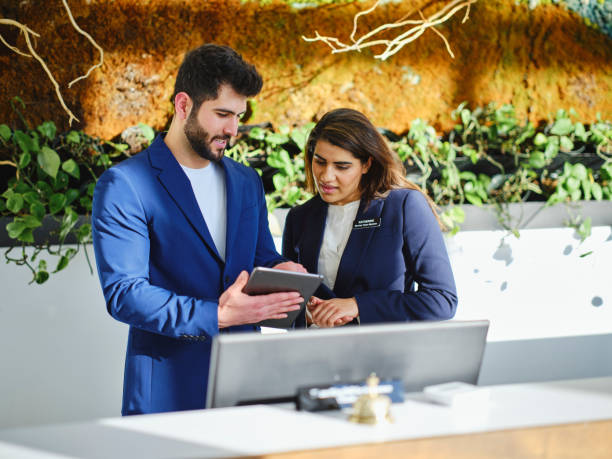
<point x="209" y="128"/>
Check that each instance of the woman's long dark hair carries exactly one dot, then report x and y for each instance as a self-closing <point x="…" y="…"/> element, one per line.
<point x="352" y="131"/>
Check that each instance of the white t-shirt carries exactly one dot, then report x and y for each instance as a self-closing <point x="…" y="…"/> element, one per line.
<point x="338" y="227"/>
<point x="208" y="184"/>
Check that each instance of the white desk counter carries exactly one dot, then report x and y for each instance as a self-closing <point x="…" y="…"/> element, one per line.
<point x="262" y="430"/>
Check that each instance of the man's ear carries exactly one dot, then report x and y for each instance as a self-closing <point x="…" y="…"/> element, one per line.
<point x="182" y="105"/>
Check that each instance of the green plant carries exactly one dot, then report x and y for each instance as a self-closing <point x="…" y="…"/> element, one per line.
<point x="54" y="178"/>
<point x="272" y="147"/>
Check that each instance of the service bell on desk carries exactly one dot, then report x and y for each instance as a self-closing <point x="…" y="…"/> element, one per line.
<point x="372" y="408"/>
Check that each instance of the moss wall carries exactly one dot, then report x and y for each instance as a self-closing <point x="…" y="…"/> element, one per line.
<point x="539" y="60"/>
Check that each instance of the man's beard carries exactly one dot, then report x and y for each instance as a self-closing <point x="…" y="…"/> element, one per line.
<point x="200" y="140"/>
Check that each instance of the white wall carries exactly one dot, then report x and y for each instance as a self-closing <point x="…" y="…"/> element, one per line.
<point x="537" y="286"/>
<point x="61" y="354"/>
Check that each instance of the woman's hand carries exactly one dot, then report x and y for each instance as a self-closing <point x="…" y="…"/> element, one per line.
<point x="332" y="313"/>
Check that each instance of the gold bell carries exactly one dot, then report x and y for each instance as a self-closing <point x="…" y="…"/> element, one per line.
<point x="372" y="408"/>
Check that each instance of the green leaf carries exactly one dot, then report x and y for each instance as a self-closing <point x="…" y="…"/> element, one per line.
<point x="49" y="161"/>
<point x="62" y="263"/>
<point x="147" y="132"/>
<point x="280" y="181"/>
<point x="465" y="116"/>
<point x="572" y="184"/>
<point x="14" y="203"/>
<point x="257" y="133"/>
<point x="562" y="126"/>
<point x="580" y="132"/>
<point x="15" y="228"/>
<point x="566" y="143"/>
<point x="467" y="175"/>
<point x="42" y="277"/>
<point x="71" y="167"/>
<point x="61" y="181"/>
<point x="104" y="160"/>
<point x="537" y="160"/>
<point x="596" y="190"/>
<point x="23" y="141"/>
<point x="26" y="236"/>
<point x="31" y="221"/>
<point x="540" y="139"/>
<point x="45" y="188"/>
<point x="73" y="137"/>
<point x="70" y="219"/>
<point x="71" y="195"/>
<point x="22" y="187"/>
<point x="31" y="197"/>
<point x="579" y="171"/>
<point x="85" y="202"/>
<point x="300" y="135"/>
<point x="24" y="160"/>
<point x="586" y="189"/>
<point x="47" y="129"/>
<point x="473" y="199"/>
<point x="552" y="148"/>
<point x="38" y="210"/>
<point x="584" y="230"/>
<point x="56" y="203"/>
<point x="84" y="232"/>
<point x="5" y="132"/>
<point x="575" y="195"/>
<point x="90" y="189"/>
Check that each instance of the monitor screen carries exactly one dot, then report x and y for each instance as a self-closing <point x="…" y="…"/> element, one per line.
<point x="253" y="368"/>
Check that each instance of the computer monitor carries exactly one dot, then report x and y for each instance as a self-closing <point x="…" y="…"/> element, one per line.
<point x="254" y="368"/>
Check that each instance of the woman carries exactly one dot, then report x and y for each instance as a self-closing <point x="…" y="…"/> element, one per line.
<point x="372" y="234"/>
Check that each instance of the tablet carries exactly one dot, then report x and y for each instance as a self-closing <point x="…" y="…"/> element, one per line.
<point x="270" y="280"/>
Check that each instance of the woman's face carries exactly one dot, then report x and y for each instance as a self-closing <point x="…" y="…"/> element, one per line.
<point x="337" y="173"/>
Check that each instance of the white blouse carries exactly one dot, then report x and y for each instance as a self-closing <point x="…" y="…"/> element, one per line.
<point x="338" y="227"/>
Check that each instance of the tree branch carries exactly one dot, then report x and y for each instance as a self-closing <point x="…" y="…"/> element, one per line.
<point x="28" y="33"/>
<point x="392" y="46"/>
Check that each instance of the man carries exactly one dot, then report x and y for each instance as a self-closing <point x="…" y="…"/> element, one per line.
<point x="176" y="229"/>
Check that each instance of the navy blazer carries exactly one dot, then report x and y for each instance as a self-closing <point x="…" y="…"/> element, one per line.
<point x="395" y="245"/>
<point x="161" y="273"/>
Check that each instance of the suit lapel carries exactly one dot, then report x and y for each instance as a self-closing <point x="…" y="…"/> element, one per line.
<point x="312" y="236"/>
<point x="176" y="183"/>
<point x="356" y="247"/>
<point x="233" y="195"/>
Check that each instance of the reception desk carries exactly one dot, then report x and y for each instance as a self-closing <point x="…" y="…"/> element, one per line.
<point x="570" y="418"/>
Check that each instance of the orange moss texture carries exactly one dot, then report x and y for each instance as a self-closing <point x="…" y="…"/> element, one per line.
<point x="539" y="60"/>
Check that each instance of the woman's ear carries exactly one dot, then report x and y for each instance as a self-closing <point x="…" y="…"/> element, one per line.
<point x="366" y="166"/>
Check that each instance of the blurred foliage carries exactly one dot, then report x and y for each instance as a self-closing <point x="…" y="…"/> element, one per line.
<point x="596" y="13"/>
<point x="490" y="157"/>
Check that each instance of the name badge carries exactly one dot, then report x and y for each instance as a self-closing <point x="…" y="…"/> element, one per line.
<point x="367" y="223"/>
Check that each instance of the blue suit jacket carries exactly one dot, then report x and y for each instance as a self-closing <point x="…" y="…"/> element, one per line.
<point x="381" y="264"/>
<point x="161" y="273"/>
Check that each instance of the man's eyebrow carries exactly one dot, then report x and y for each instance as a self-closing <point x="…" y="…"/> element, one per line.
<point x="228" y="111"/>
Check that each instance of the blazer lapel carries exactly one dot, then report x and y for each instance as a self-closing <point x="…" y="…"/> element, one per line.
<point x="309" y="245"/>
<point x="233" y="195"/>
<point x="356" y="246"/>
<point x="173" y="179"/>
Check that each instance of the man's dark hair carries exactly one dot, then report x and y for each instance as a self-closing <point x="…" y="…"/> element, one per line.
<point x="206" y="68"/>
